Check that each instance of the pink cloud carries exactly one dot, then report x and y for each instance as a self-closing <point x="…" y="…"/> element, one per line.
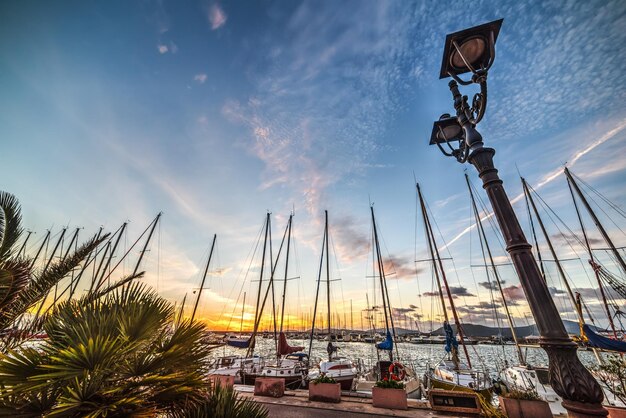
<point x="217" y="17"/>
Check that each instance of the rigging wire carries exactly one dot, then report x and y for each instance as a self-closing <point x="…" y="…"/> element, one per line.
<point x="251" y="255"/>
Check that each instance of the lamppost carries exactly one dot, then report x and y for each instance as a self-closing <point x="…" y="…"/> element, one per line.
<point x="473" y="51"/>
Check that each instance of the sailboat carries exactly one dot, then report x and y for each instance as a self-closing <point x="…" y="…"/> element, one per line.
<point x="603" y="276"/>
<point x="520" y="376"/>
<point x="451" y="373"/>
<point x="291" y="363"/>
<point x="390" y="368"/>
<point x="240" y="340"/>
<point x="250" y="364"/>
<point x="339" y="368"/>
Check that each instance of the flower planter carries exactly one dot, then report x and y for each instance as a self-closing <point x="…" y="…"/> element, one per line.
<point x="519" y="408"/>
<point x="222" y="380"/>
<point x="389" y="398"/>
<point x="615" y="411"/>
<point x="325" y="392"/>
<point x="269" y="386"/>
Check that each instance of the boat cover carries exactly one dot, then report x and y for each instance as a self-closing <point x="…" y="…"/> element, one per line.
<point x="239" y="343"/>
<point x="387" y="344"/>
<point x="450" y="338"/>
<point x="599" y="341"/>
<point x="283" y="346"/>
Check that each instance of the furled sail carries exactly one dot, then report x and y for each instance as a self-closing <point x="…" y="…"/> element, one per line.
<point x="451" y="341"/>
<point x="283" y="346"/>
<point x="599" y="341"/>
<point x="387" y="344"/>
<point x="330" y="348"/>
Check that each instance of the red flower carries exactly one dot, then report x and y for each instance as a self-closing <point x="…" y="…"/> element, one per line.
<point x="386" y="379"/>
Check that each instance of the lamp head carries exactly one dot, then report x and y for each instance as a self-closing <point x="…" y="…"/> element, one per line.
<point x="471" y="49"/>
<point x="446" y="129"/>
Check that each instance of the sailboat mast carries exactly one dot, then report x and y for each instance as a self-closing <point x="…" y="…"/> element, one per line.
<point x="317" y="292"/>
<point x="145" y="247"/>
<point x="546" y="236"/>
<point x="206" y="270"/>
<point x="75" y="280"/>
<point x="445" y="282"/>
<point x="46" y="268"/>
<point x="23" y="247"/>
<point x="605" y="235"/>
<point x="282" y="309"/>
<point x="258" y="297"/>
<point x="351" y="317"/>
<point x="72" y="241"/>
<point x="380" y="269"/>
<point x="383" y="285"/>
<point x="570" y="183"/>
<point x="43" y="244"/>
<point x="532" y="228"/>
<point x="495" y="272"/>
<point x="56" y="247"/>
<point x="243" y="307"/>
<point x="432" y="254"/>
<point x="108" y="263"/>
<point x="327" y="273"/>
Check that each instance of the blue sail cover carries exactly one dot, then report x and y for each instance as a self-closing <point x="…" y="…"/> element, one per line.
<point x="387" y="344"/>
<point x="450" y="338"/>
<point x="599" y="341"/>
<point x="239" y="342"/>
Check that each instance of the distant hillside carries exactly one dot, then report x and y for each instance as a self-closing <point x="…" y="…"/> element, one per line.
<point x="472" y="330"/>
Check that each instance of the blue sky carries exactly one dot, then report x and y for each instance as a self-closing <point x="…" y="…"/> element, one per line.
<point x="215" y="112"/>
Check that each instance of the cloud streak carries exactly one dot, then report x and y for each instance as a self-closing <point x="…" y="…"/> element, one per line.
<point x="551" y="176"/>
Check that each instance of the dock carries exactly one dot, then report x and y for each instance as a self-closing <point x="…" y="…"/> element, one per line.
<point x="296" y="404"/>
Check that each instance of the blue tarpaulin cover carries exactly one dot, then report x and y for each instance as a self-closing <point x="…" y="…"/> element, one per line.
<point x="387" y="344"/>
<point x="599" y="341"/>
<point x="239" y="343"/>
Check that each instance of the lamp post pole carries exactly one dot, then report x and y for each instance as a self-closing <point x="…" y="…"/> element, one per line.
<point x="569" y="378"/>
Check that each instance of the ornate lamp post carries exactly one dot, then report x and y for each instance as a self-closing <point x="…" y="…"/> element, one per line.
<point x="473" y="51"/>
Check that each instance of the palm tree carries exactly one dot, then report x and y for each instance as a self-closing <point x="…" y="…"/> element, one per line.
<point x="21" y="286"/>
<point x="120" y="354"/>
<point x="116" y="352"/>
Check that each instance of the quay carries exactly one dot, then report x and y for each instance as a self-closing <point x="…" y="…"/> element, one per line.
<point x="296" y="404"/>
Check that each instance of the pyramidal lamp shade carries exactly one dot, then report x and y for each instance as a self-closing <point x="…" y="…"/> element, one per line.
<point x="470" y="49"/>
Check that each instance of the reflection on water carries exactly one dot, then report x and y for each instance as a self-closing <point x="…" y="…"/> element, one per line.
<point x="490" y="357"/>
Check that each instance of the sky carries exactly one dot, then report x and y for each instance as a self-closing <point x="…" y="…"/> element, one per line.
<point x="217" y="112"/>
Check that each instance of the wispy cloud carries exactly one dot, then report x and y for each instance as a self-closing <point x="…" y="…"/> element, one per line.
<point x="319" y="111"/>
<point x="554" y="174"/>
<point x="200" y="78"/>
<point x="217" y="17"/>
<point x="170" y="47"/>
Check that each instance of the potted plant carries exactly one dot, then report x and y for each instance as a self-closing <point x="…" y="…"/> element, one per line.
<point x="324" y="389"/>
<point x="612" y="374"/>
<point x="519" y="403"/>
<point x="389" y="394"/>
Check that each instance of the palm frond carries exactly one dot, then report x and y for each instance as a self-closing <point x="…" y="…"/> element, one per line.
<point x="14" y="277"/>
<point x="10" y="224"/>
<point x="223" y="402"/>
<point x="31" y="404"/>
<point x="40" y="285"/>
<point x="90" y="396"/>
<point x="16" y="367"/>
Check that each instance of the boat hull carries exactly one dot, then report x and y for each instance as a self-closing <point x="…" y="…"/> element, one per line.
<point x="291" y="382"/>
<point x="440" y="384"/>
